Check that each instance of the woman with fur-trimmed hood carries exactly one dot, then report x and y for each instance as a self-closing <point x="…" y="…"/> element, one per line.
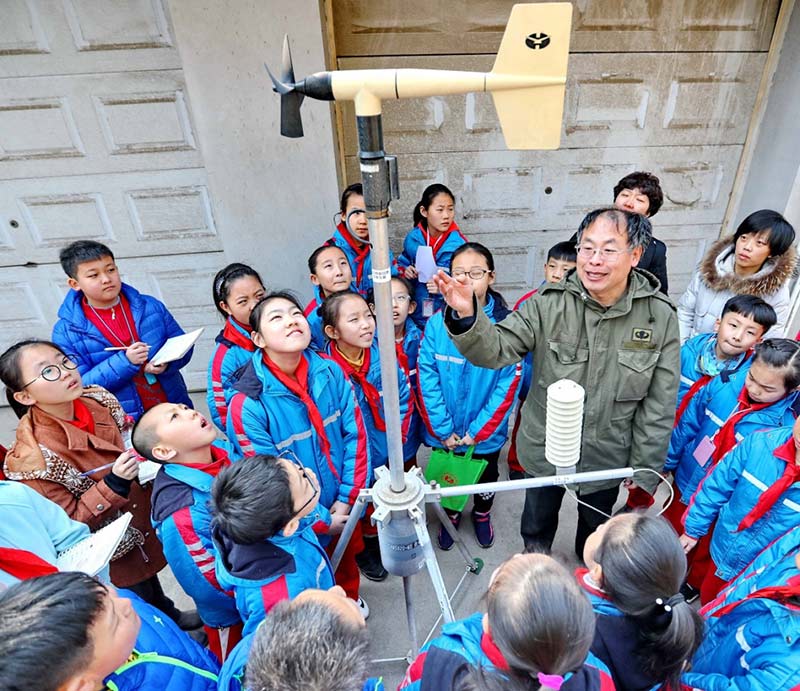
<point x="759" y="259"/>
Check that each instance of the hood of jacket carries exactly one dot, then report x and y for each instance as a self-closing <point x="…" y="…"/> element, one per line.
<point x="261" y="561"/>
<point x="716" y="271"/>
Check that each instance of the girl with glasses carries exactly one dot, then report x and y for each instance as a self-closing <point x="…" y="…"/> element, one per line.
<point x="461" y="404"/>
<point x="69" y="447"/>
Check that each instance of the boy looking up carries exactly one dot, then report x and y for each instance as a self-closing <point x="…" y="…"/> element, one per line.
<point x="186" y="444"/>
<point x="113" y="329"/>
<point x="265" y="511"/>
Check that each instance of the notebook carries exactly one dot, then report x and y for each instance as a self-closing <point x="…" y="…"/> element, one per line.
<point x="176" y="347"/>
<point x="91" y="554"/>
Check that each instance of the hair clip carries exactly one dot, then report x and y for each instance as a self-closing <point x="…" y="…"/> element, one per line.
<point x="670" y="602"/>
<point x="550" y="681"/>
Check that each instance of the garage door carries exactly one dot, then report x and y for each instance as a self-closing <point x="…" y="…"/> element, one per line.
<point x="665" y="86"/>
<point x="97" y="142"/>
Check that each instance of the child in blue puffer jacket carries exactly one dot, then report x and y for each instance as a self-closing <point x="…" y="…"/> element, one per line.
<point x="113" y="330"/>
<point x="186" y="445"/>
<point x="536" y="634"/>
<point x="69" y="631"/>
<point x="721" y="414"/>
<point x="265" y="512"/>
<point x="750" y="498"/>
<point x="463" y="405"/>
<point x="236" y="290"/>
<point x="330" y="272"/>
<point x="752" y="640"/>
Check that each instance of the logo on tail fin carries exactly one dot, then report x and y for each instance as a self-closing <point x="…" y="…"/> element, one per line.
<point x="537" y="41"/>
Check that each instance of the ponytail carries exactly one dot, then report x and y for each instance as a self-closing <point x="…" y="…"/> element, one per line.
<point x="643" y="567"/>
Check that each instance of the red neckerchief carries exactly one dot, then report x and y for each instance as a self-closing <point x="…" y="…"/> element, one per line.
<point x="22" y="564"/>
<point x="586" y="582"/>
<point x="791" y="474"/>
<point x="402" y="358"/>
<point x="232" y="334"/>
<point x="726" y="437"/>
<point x="219" y="461"/>
<point x="300" y="389"/>
<point x="122" y="330"/>
<point x="360" y="248"/>
<point x="779" y="593"/>
<point x="687" y="397"/>
<point x="83" y="417"/>
<point x="490" y="649"/>
<point x="372" y="394"/>
<point x="438" y="242"/>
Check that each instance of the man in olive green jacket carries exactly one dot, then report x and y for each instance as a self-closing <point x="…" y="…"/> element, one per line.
<point x="605" y="326"/>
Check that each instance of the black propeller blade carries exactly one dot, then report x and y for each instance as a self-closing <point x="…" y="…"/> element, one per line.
<point x="291" y="99"/>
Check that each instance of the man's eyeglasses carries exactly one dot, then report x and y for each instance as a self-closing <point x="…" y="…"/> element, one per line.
<point x="53" y="372"/>
<point x="474" y="274"/>
<point x="608" y="254"/>
<point x="289" y="455"/>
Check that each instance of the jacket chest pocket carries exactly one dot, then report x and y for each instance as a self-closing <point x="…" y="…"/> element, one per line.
<point x="563" y="361"/>
<point x="635" y="368"/>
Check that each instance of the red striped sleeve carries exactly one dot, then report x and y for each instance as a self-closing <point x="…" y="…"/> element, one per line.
<point x="361" y="468"/>
<point x="405" y="425"/>
<point x="310" y="307"/>
<point x="236" y="407"/>
<point x="275" y="591"/>
<point x="202" y="558"/>
<point x="497" y="417"/>
<point x="216" y="382"/>
<point x="414" y="671"/>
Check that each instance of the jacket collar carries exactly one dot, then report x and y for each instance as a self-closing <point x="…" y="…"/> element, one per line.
<point x="77" y="439"/>
<point x="72" y="311"/>
<point x="716" y="271"/>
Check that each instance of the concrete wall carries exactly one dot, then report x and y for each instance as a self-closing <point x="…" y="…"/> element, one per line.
<point x="274" y="198"/>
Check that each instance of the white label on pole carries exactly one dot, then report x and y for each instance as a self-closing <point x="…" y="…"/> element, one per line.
<point x="381" y="275"/>
<point x="369" y="168"/>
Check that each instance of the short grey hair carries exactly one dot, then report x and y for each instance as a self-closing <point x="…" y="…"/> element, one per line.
<point x="638" y="227"/>
<point x="307" y="646"/>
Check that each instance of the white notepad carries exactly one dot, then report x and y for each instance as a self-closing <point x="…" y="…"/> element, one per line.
<point x="148" y="471"/>
<point x="91" y="554"/>
<point x="176" y="347"/>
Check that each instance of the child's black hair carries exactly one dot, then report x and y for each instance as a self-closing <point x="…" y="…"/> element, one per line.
<point x="781" y="232"/>
<point x="46" y="629"/>
<point x="314" y="258"/>
<point x="224" y="280"/>
<point x="430" y="193"/>
<point x="80" y="251"/>
<point x="642" y="562"/>
<point x="752" y="307"/>
<point x="478" y="248"/>
<point x="402" y="280"/>
<point x="349" y="191"/>
<point x="255" y="315"/>
<point x="563" y="252"/>
<point x="648" y="184"/>
<point x="541" y="621"/>
<point x="329" y="309"/>
<point x="11" y="375"/>
<point x="251" y="500"/>
<point x="782" y="354"/>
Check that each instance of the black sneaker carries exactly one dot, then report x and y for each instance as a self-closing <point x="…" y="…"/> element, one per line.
<point x="690" y="594"/>
<point x="443" y="538"/>
<point x="369" y="561"/>
<point x="189" y="620"/>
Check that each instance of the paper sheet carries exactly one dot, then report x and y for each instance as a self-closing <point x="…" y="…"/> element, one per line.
<point x="425" y="263"/>
<point x="176" y="347"/>
<point x="148" y="471"/>
<point x="93" y="553"/>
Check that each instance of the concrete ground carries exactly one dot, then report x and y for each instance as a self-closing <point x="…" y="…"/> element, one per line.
<point x="387" y="622"/>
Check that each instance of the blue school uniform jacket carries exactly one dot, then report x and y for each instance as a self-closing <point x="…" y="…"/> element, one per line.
<point x="410" y="349"/>
<point x="182" y="520"/>
<point x="112" y="370"/>
<point x="754" y="645"/>
<point x="361" y="267"/>
<point x="318" y="339"/>
<point x="31" y="522"/>
<point x="265" y="417"/>
<point x="446" y="660"/>
<point x="731" y="490"/>
<point x="232" y="674"/>
<point x="164" y="657"/>
<point x="690" y="353"/>
<point x="457" y="396"/>
<point x="377" y="439"/>
<point x="280" y="568"/>
<point x="444" y="253"/>
<point x="705" y="415"/>
<point x="233" y="350"/>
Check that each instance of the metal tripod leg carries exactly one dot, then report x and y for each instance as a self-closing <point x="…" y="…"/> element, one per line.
<point x="432" y="565"/>
<point x="412" y="621"/>
<point x="447" y="524"/>
<point x="349" y="528"/>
